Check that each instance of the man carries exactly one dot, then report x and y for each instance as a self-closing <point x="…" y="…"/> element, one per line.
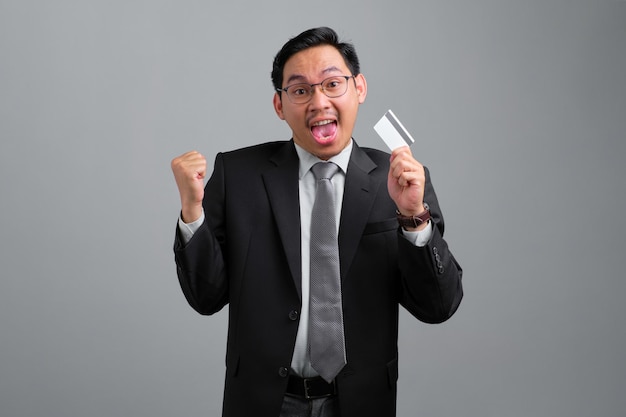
<point x="246" y="239"/>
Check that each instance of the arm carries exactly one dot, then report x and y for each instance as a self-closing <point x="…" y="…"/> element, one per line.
<point x="431" y="277"/>
<point x="199" y="261"/>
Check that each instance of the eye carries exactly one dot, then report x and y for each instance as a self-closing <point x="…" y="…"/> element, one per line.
<point x="299" y="90"/>
<point x="333" y="83"/>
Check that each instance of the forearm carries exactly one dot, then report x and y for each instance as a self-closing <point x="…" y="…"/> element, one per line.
<point x="199" y="250"/>
<point x="431" y="279"/>
<point x="201" y="270"/>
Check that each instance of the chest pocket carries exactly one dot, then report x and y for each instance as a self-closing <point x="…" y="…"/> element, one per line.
<point x="381" y="226"/>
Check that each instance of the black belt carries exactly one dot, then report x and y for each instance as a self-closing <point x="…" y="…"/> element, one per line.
<point x="310" y="388"/>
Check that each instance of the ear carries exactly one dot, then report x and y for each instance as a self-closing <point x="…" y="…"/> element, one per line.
<point x="278" y="106"/>
<point x="361" y="87"/>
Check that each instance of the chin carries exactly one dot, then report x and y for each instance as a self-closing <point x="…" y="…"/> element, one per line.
<point x="328" y="151"/>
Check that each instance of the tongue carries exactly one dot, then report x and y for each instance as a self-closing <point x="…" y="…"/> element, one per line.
<point x="324" y="131"/>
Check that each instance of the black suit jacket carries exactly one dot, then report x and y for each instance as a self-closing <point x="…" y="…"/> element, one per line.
<point x="247" y="255"/>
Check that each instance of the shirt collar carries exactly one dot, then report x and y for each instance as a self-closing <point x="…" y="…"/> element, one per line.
<point x="307" y="160"/>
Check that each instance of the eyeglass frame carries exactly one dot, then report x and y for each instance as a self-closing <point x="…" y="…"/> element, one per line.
<point x="347" y="77"/>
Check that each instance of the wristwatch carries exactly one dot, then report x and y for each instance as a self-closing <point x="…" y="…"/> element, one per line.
<point x="414" y="221"/>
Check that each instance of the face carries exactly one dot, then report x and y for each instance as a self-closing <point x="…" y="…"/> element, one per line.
<point x="324" y="125"/>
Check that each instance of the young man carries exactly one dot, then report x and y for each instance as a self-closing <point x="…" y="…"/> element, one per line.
<point x="246" y="239"/>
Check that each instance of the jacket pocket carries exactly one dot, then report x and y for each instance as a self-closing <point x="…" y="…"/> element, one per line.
<point x="381" y="226"/>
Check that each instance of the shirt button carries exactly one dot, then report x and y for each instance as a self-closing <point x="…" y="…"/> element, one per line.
<point x="293" y="315"/>
<point x="283" y="372"/>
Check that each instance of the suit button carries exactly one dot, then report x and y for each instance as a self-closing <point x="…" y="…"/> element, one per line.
<point x="293" y="315"/>
<point x="283" y="372"/>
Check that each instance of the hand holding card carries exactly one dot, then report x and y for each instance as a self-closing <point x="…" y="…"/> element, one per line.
<point x="392" y="132"/>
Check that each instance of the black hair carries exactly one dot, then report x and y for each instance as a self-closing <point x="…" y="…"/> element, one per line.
<point x="308" y="39"/>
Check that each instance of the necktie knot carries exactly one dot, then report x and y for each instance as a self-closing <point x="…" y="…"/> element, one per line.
<point x="324" y="170"/>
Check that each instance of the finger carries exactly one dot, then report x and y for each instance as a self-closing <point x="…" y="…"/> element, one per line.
<point x="404" y="166"/>
<point x="411" y="179"/>
<point x="189" y="161"/>
<point x="401" y="150"/>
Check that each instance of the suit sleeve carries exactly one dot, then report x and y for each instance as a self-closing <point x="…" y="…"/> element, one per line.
<point x="431" y="277"/>
<point x="200" y="262"/>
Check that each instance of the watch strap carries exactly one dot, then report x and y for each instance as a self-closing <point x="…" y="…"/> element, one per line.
<point x="414" y="221"/>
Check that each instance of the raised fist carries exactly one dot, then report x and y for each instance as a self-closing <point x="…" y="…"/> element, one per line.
<point x="189" y="171"/>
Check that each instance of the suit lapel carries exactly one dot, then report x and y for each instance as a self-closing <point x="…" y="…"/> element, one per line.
<point x="358" y="196"/>
<point x="281" y="183"/>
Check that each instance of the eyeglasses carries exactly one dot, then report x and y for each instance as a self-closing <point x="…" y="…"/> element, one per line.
<point x="332" y="87"/>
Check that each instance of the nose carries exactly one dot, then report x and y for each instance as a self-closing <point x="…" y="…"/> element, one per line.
<point x="319" y="99"/>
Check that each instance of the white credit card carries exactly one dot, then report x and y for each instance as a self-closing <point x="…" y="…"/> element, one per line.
<point x="392" y="132"/>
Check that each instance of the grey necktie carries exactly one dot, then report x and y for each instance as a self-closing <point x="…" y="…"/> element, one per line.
<point x="326" y="335"/>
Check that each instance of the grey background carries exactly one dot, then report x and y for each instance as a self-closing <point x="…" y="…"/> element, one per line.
<point x="519" y="110"/>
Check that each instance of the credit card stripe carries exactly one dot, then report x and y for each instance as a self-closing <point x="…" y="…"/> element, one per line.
<point x="399" y="128"/>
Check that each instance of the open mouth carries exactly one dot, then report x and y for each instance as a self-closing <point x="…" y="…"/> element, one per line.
<point x="324" y="130"/>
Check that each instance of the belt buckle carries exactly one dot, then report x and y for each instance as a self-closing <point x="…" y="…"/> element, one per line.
<point x="306" y="389"/>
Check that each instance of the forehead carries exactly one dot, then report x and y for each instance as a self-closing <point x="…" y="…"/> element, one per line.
<point x="313" y="63"/>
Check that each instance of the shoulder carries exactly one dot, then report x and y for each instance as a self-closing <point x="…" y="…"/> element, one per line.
<point x="369" y="160"/>
<point x="379" y="157"/>
<point x="256" y="155"/>
<point x="256" y="151"/>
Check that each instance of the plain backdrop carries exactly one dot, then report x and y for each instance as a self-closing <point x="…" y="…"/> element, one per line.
<point x="518" y="109"/>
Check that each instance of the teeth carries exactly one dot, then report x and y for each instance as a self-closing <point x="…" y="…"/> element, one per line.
<point x="322" y="123"/>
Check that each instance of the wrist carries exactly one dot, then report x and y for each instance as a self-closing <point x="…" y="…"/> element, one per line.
<point x="191" y="214"/>
<point x="414" y="222"/>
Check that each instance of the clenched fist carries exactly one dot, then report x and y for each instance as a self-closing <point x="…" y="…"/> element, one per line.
<point x="189" y="171"/>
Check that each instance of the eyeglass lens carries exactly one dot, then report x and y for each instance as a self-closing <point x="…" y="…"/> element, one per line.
<point x="332" y="87"/>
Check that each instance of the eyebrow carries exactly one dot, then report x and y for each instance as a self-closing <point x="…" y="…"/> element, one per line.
<point x="302" y="78"/>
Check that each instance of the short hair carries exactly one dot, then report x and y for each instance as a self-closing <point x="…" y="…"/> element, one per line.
<point x="308" y="39"/>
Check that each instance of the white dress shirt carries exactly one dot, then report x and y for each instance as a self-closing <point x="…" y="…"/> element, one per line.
<point x="300" y="361"/>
